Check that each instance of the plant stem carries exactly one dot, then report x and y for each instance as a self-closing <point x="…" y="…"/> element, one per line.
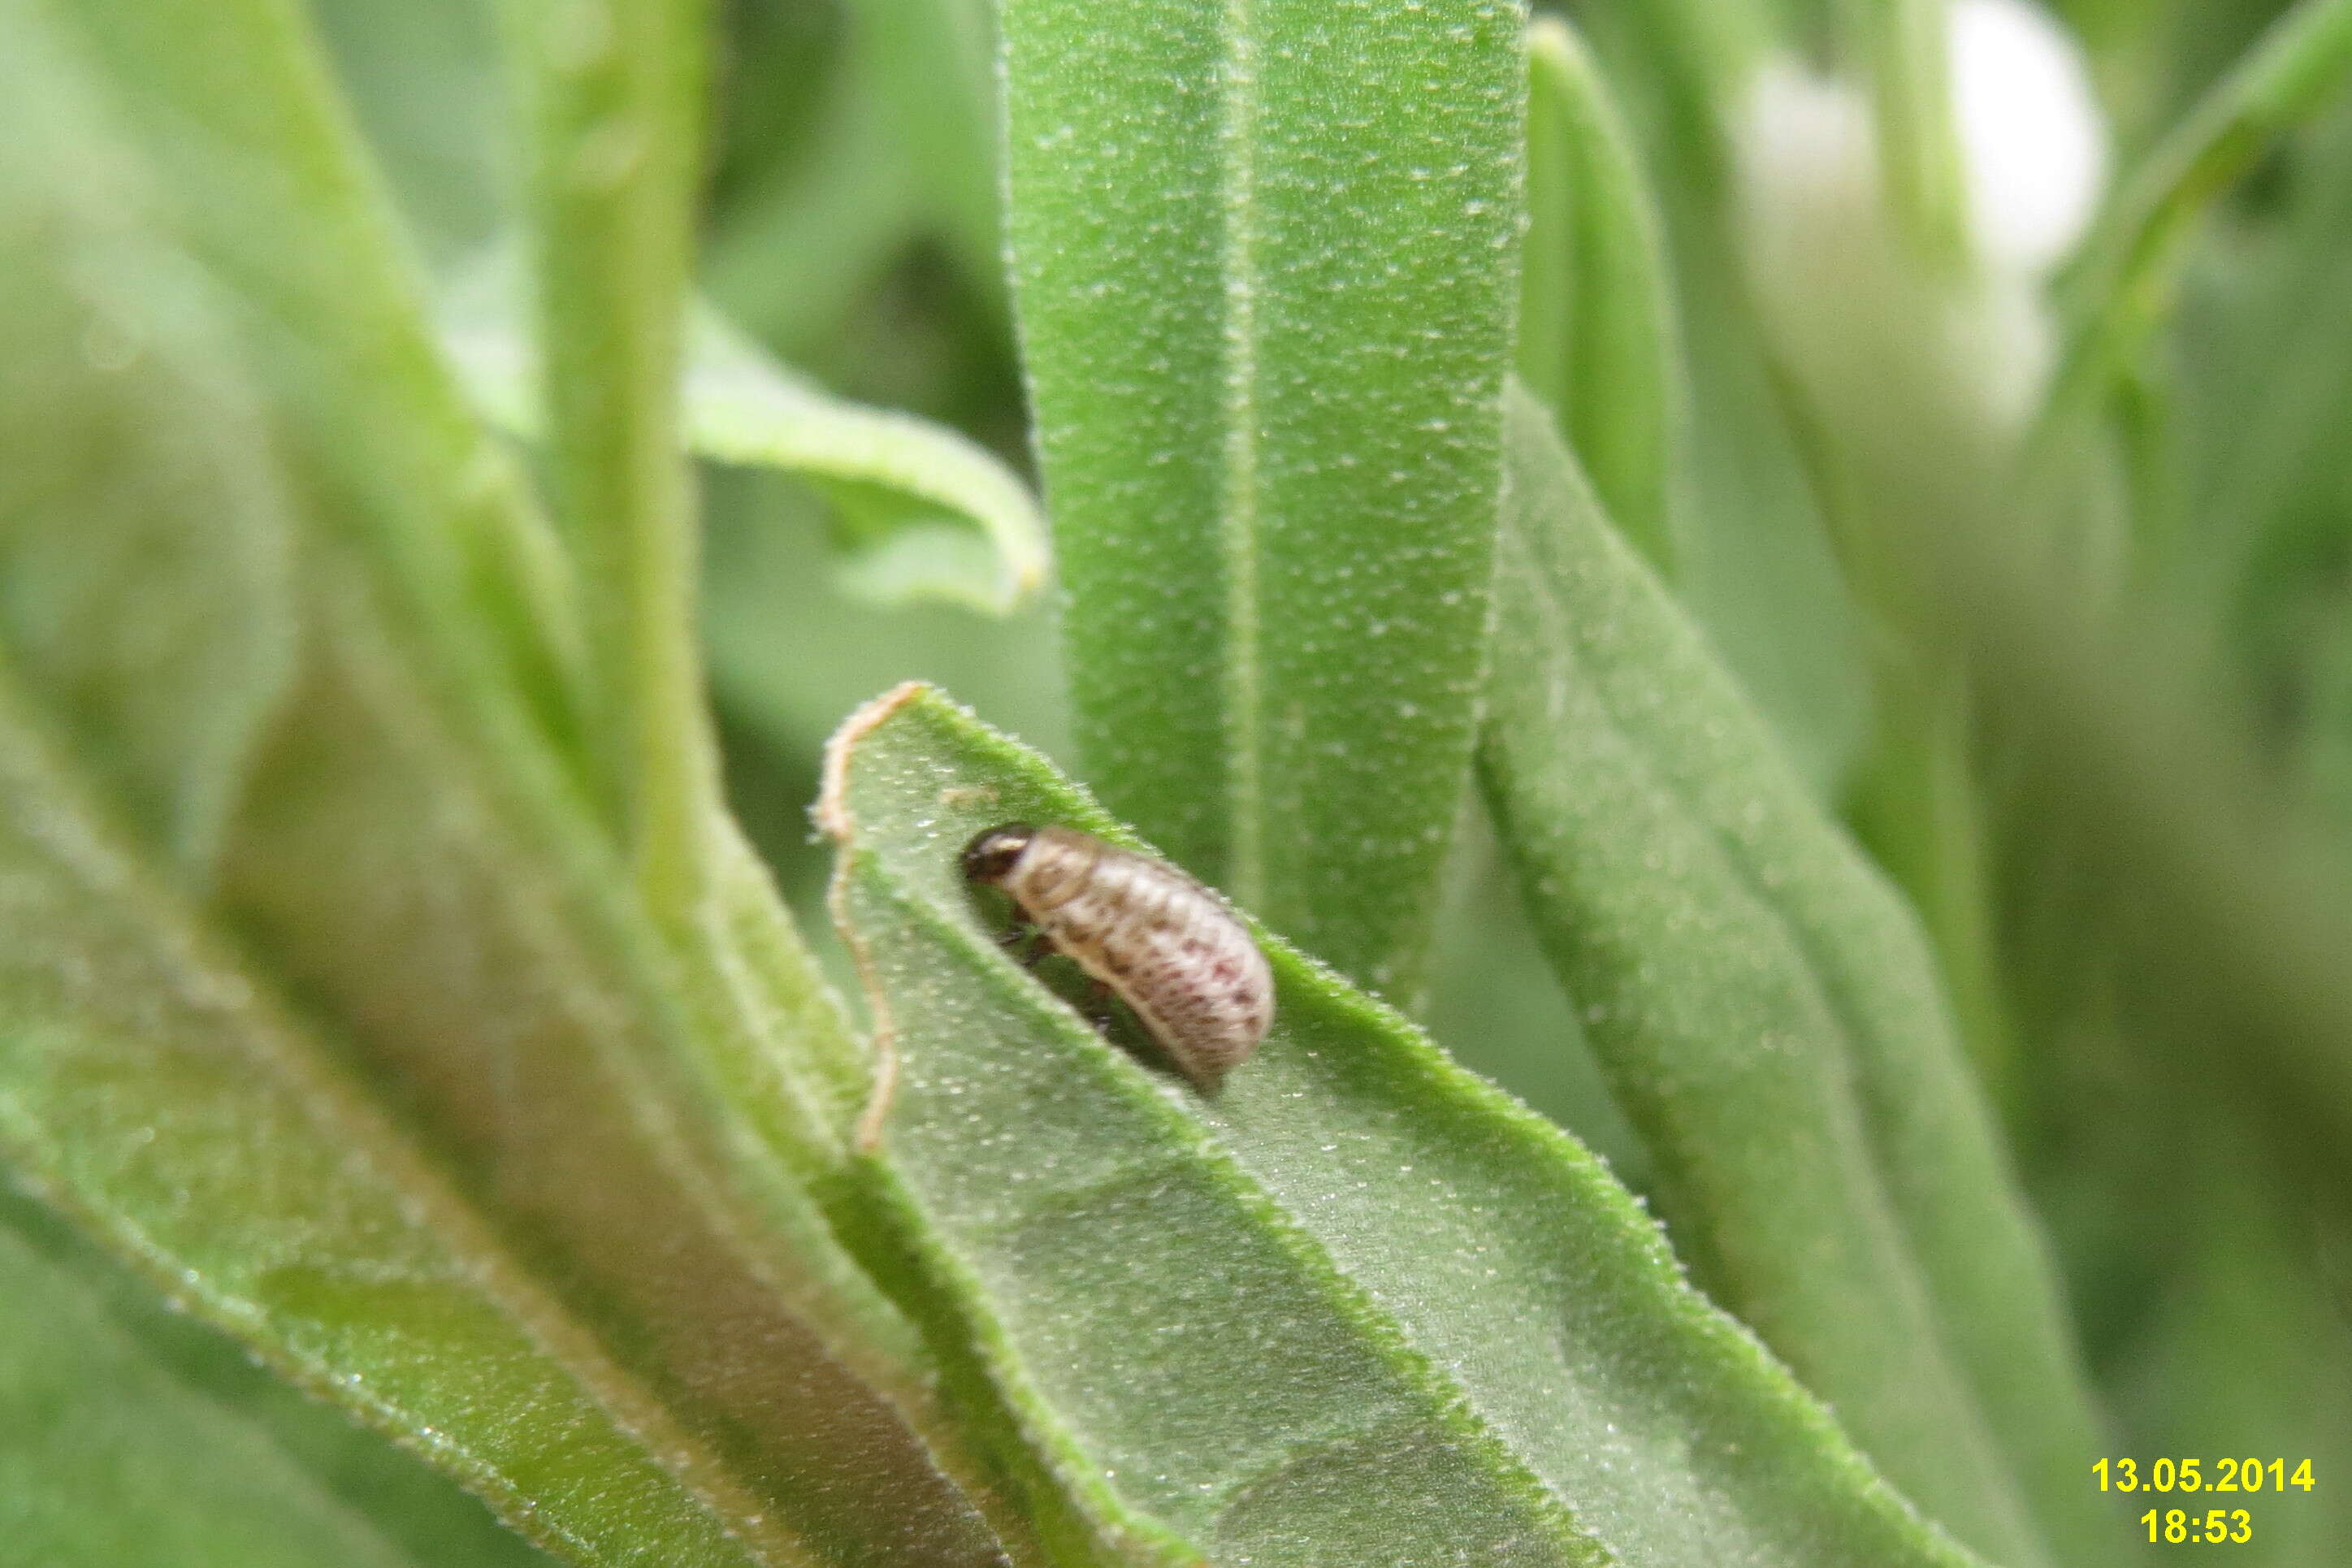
<point x="615" y="94"/>
<point x="1914" y="805"/>
<point x="1902" y="45"/>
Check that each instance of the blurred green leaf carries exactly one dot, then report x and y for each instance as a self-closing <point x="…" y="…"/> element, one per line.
<point x="1462" y="1337"/>
<point x="412" y="859"/>
<point x="164" y="625"/>
<point x="2257" y="558"/>
<point x="425" y="81"/>
<point x="2246" y="1352"/>
<point x="792" y="655"/>
<point x="1697" y="59"/>
<point x="1772" y="1023"/>
<point x="1598" y="340"/>
<point x="150" y="1085"/>
<point x="925" y="513"/>
<point x="109" y="1455"/>
<point x="2215" y="895"/>
<point x="921" y="512"/>
<point x="1761" y="575"/>
<point x="907" y="147"/>
<point x="1263" y="260"/>
<point x="2124" y="285"/>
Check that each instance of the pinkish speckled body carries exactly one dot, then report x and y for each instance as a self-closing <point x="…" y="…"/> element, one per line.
<point x="1167" y="946"/>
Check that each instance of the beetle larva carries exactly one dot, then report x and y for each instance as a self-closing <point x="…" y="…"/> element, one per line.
<point x="1166" y="945"/>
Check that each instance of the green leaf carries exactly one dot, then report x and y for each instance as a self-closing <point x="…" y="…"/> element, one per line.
<point x="251" y="207"/>
<point x="1598" y="339"/>
<point x="132" y="1434"/>
<point x="1762" y="577"/>
<point x="1359" y="1306"/>
<point x="425" y="81"/>
<point x="153" y="1088"/>
<point x="1264" y="262"/>
<point x="627" y="1106"/>
<point x="921" y="512"/>
<point x="164" y="625"/>
<point x="1770" y="1018"/>
<point x="924" y="512"/>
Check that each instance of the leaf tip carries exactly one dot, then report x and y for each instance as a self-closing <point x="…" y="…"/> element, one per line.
<point x="832" y="797"/>
<point x="1549" y="36"/>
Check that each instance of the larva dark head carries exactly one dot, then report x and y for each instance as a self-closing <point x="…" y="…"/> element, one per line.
<point x="989" y="857"/>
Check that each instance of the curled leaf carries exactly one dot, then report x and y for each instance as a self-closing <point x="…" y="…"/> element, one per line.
<point x="922" y="512"/>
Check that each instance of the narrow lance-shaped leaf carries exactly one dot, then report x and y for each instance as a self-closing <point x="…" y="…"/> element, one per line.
<point x="1264" y="265"/>
<point x="630" y="1110"/>
<point x="1770" y="1017"/>
<point x="923" y="511"/>
<point x="1597" y="336"/>
<point x="1357" y="1306"/>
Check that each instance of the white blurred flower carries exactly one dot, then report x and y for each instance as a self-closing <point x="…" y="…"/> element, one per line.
<point x="2033" y="146"/>
<point x="1874" y="332"/>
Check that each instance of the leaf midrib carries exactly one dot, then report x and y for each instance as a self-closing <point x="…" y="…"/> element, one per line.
<point x="1238" y="109"/>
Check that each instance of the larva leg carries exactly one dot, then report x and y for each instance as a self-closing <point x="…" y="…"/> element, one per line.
<point x="1028" y="944"/>
<point x="1099" y="1007"/>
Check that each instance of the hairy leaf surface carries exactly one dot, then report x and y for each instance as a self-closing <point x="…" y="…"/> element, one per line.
<point x="1771" y="1020"/>
<point x="1357" y="1306"/>
<point x="622" y="1110"/>
<point x="1598" y="339"/>
<point x="1264" y="257"/>
<point x="152" y="1087"/>
<point x="132" y="1433"/>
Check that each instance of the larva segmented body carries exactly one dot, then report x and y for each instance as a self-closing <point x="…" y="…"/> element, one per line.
<point x="1166" y="945"/>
